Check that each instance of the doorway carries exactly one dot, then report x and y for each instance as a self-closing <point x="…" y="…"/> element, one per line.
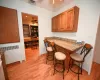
<point x="31" y="35"/>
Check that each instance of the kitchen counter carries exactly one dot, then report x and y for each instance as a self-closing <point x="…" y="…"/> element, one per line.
<point x="72" y="46"/>
<point x="67" y="46"/>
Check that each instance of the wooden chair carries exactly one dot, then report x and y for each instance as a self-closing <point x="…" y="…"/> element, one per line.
<point x="59" y="59"/>
<point x="79" y="58"/>
<point x="50" y="51"/>
<point x="34" y="42"/>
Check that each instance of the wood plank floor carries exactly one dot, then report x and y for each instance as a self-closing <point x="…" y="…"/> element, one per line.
<point x="35" y="68"/>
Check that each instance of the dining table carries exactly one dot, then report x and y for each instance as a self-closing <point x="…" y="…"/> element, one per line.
<point x="31" y="41"/>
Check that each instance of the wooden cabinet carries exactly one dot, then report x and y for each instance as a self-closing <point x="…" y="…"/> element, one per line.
<point x="26" y="30"/>
<point x="54" y="24"/>
<point x="34" y="31"/>
<point x="58" y="22"/>
<point x="9" y="32"/>
<point x="70" y="17"/>
<point x="63" y="26"/>
<point x="66" y="21"/>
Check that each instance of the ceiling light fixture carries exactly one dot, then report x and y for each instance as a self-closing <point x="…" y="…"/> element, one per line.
<point x="55" y="1"/>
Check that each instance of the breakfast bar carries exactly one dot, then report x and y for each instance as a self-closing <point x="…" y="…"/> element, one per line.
<point x="67" y="46"/>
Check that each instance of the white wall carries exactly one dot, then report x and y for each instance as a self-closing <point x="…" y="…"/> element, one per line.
<point x="87" y="25"/>
<point x="44" y="18"/>
<point x="97" y="45"/>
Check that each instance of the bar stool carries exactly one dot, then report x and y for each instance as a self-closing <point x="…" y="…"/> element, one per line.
<point x="79" y="58"/>
<point x="59" y="59"/>
<point x="50" y="51"/>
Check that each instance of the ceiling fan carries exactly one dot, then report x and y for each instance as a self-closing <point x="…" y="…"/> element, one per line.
<point x="51" y="1"/>
<point x="34" y="20"/>
<point x="34" y="1"/>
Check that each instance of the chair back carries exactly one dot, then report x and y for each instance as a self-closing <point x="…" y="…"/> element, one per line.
<point x="85" y="50"/>
<point x="46" y="43"/>
<point x="52" y="44"/>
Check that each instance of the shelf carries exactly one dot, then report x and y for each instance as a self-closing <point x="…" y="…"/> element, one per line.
<point x="34" y="31"/>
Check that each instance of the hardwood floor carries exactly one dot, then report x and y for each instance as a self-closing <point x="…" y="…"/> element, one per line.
<point x="35" y="68"/>
<point x="32" y="53"/>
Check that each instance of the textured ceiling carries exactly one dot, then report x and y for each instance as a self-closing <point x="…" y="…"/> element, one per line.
<point x="48" y="4"/>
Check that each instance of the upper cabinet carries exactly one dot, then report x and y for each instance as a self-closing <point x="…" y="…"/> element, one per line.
<point x="54" y="25"/>
<point x="66" y="21"/>
<point x="63" y="21"/>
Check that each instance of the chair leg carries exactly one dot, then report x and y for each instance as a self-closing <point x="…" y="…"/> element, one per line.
<point x="71" y="63"/>
<point x="63" y="75"/>
<point x="78" y="77"/>
<point x="54" y="67"/>
<point x="46" y="61"/>
<point x="81" y="68"/>
<point x="69" y="66"/>
<point x="78" y="71"/>
<point x="46" y="58"/>
<point x="50" y="55"/>
<point x="63" y="68"/>
<point x="53" y="58"/>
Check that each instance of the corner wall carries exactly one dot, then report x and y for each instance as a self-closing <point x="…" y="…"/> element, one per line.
<point x="44" y="17"/>
<point x="97" y="45"/>
<point x="87" y="25"/>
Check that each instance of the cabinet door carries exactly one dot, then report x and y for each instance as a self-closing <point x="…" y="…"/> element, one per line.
<point x="67" y="21"/>
<point x="9" y="32"/>
<point x="54" y="25"/>
<point x="70" y="19"/>
<point x="58" y="22"/>
<point x="64" y="21"/>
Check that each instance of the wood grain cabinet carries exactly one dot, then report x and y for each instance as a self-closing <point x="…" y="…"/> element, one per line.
<point x="58" y="22"/>
<point x="9" y="31"/>
<point x="54" y="24"/>
<point x="66" y="21"/>
<point x="63" y="26"/>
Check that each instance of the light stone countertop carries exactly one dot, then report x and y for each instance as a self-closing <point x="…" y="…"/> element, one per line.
<point x="65" y="44"/>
